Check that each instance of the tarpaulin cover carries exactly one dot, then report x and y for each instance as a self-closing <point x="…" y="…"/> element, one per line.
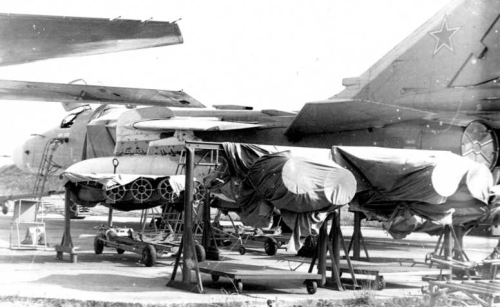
<point x="417" y="190"/>
<point x="107" y="182"/>
<point x="302" y="189"/>
<point x="110" y="181"/>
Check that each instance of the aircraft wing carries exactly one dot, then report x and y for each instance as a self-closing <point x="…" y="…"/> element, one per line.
<point x="191" y="123"/>
<point x="71" y="93"/>
<point x="343" y="115"/>
<point x="28" y="38"/>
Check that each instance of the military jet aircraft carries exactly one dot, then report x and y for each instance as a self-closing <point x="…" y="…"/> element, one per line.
<point x="436" y="90"/>
<point x="28" y="38"/>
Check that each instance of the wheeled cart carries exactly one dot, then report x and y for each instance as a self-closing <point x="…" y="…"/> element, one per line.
<point x="483" y="292"/>
<point x="380" y="270"/>
<point x="123" y="241"/>
<point x="376" y="272"/>
<point x="239" y="272"/>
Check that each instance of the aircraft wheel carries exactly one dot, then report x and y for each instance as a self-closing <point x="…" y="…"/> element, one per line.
<point x="98" y="245"/>
<point x="379" y="283"/>
<point x="201" y="255"/>
<point x="239" y="285"/>
<point x="312" y="286"/>
<point x="149" y="256"/>
<point x="120" y="251"/>
<point x="242" y="250"/>
<point x="215" y="277"/>
<point x="271" y="246"/>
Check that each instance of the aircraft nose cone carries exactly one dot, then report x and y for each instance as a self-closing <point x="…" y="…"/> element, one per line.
<point x="19" y="157"/>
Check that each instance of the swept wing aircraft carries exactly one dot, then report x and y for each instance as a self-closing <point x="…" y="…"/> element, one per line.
<point x="438" y="89"/>
<point x="435" y="90"/>
<point x="28" y="38"/>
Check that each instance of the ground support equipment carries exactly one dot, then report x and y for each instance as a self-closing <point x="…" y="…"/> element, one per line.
<point x="123" y="239"/>
<point x="239" y="272"/>
<point x="67" y="245"/>
<point x="484" y="292"/>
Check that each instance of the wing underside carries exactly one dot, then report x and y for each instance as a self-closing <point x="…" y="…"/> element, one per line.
<point x="71" y="93"/>
<point x="191" y="123"/>
<point x="332" y="116"/>
<point x="28" y="38"/>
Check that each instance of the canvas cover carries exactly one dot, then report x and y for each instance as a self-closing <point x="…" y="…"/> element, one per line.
<point x="417" y="190"/>
<point x="110" y="181"/>
<point x="302" y="190"/>
<point x="88" y="189"/>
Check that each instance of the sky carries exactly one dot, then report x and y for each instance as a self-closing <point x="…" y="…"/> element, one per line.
<point x="269" y="54"/>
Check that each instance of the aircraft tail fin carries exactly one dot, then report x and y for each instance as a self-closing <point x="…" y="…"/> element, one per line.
<point x="457" y="47"/>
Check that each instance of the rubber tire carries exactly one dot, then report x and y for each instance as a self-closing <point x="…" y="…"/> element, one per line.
<point x="239" y="285"/>
<point x="215" y="277"/>
<point x="149" y="256"/>
<point x="311" y="286"/>
<point x="271" y="246"/>
<point x="242" y="250"/>
<point x="201" y="255"/>
<point x="98" y="245"/>
<point x="120" y="251"/>
<point x="379" y="283"/>
<point x="73" y="211"/>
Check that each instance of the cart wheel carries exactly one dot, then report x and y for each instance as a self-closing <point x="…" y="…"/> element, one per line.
<point x="215" y="277"/>
<point x="120" y="251"/>
<point x="242" y="250"/>
<point x="73" y="212"/>
<point x="271" y="246"/>
<point x="239" y="285"/>
<point x="201" y="255"/>
<point x="312" y="286"/>
<point x="98" y="245"/>
<point x="149" y="256"/>
<point x="379" y="283"/>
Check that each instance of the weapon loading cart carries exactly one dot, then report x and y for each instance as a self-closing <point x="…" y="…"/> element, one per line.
<point x="124" y="239"/>
<point x="273" y="238"/>
<point x="149" y="244"/>
<point x="239" y="272"/>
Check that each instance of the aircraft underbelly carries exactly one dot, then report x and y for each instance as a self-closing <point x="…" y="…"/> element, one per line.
<point x="474" y="140"/>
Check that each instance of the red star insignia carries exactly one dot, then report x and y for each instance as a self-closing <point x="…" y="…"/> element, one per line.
<point x="444" y="36"/>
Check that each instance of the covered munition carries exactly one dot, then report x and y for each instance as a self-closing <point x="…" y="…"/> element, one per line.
<point x="417" y="190"/>
<point x="302" y="190"/>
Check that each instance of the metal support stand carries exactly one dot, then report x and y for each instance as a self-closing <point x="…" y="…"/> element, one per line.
<point x="451" y="253"/>
<point x="66" y="242"/>
<point x="110" y="218"/>
<point x="357" y="239"/>
<point x="208" y="242"/>
<point x="332" y="243"/>
<point x="189" y="259"/>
